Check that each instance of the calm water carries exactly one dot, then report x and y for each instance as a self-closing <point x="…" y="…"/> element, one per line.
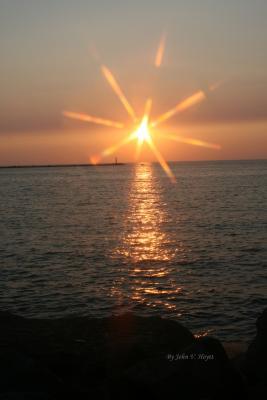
<point x="96" y="241"/>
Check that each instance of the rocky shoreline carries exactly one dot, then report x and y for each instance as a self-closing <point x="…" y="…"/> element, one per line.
<point x="125" y="357"/>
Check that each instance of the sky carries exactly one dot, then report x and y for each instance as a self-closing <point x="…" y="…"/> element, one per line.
<point x="51" y="52"/>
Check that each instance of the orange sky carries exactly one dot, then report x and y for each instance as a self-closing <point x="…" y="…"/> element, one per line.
<point x="50" y="63"/>
<point x="238" y="141"/>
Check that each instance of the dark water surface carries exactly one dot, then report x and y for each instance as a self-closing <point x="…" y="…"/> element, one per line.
<point x="102" y="240"/>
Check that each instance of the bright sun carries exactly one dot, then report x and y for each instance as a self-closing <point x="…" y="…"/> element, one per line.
<point x="143" y="132"/>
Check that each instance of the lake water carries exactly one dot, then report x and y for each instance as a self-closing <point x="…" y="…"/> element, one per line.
<point x="103" y="240"/>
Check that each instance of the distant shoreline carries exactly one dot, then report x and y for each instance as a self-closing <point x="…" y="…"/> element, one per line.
<point x="62" y="165"/>
<point x="120" y="164"/>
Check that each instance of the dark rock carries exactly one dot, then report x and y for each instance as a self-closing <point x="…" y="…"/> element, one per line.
<point x="201" y="371"/>
<point x="255" y="365"/>
<point x="21" y="373"/>
<point x="25" y="396"/>
<point x="121" y="357"/>
<point x="76" y="356"/>
<point x="130" y="338"/>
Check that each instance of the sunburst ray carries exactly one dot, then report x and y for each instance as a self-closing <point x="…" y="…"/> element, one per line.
<point x="148" y="107"/>
<point x="116" y="88"/>
<point x="95" y="120"/>
<point x="160" y="51"/>
<point x="182" y="106"/>
<point x="160" y="159"/>
<point x="112" y="149"/>
<point x="192" y="141"/>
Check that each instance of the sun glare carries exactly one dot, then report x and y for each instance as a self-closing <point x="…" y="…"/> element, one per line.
<point x="142" y="132"/>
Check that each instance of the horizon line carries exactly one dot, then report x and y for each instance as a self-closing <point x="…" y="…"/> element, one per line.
<point x="120" y="163"/>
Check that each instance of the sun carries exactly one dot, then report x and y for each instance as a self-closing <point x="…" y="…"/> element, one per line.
<point x="142" y="133"/>
<point x="144" y="126"/>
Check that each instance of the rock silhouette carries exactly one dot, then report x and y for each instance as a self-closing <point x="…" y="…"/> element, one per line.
<point x="120" y="357"/>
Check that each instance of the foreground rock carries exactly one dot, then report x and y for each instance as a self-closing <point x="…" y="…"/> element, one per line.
<point x="200" y="371"/>
<point x="255" y="365"/>
<point x="116" y="358"/>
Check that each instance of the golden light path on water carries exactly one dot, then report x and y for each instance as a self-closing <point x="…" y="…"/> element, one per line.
<point x="144" y="240"/>
<point x="146" y="247"/>
<point x="144" y="243"/>
<point x="142" y="127"/>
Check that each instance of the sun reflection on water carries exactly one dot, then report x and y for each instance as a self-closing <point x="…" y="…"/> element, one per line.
<point x="144" y="239"/>
<point x="147" y="247"/>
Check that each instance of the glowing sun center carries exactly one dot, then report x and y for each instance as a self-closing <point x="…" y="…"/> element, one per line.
<point x="142" y="133"/>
